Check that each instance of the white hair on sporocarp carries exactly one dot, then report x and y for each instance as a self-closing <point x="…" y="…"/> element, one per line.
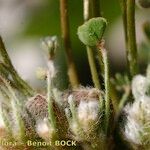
<point x="44" y="129"/>
<point x="137" y="126"/>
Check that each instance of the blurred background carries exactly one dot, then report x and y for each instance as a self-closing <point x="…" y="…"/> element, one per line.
<point x="24" y="22"/>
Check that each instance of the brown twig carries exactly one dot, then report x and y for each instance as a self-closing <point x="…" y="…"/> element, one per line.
<point x="96" y="8"/>
<point x="67" y="43"/>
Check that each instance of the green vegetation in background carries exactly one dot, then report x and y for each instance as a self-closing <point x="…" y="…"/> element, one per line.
<point x="42" y="23"/>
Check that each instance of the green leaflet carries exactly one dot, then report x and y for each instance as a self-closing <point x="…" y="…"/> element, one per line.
<point x="91" y="32"/>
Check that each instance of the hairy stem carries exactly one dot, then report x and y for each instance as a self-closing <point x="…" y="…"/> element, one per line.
<point x="114" y="97"/>
<point x="92" y="64"/>
<point x="51" y="114"/>
<point x="4" y="70"/>
<point x="16" y="107"/>
<point x="5" y="119"/>
<point x="131" y="38"/>
<point x="72" y="73"/>
<point x="107" y="87"/>
<point x="107" y="90"/>
<point x="73" y="110"/>
<point x="113" y="92"/>
<point x="124" y="99"/>
<point x="21" y="84"/>
<point x="100" y="62"/>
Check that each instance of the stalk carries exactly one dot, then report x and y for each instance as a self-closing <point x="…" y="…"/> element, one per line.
<point x="5" y="119"/>
<point x="16" y="107"/>
<point x="131" y="38"/>
<point x="107" y="87"/>
<point x="123" y="4"/>
<point x="93" y="68"/>
<point x="72" y="73"/>
<point x="97" y="13"/>
<point x="92" y="64"/>
<point x="96" y="8"/>
<point x="21" y="84"/>
<point x="124" y="99"/>
<point x="51" y="114"/>
<point x="3" y="70"/>
<point x="128" y="15"/>
<point x="100" y="62"/>
<point x="73" y="110"/>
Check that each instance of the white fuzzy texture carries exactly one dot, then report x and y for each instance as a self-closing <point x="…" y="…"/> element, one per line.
<point x="3" y="131"/>
<point x="70" y="99"/>
<point x="137" y="129"/>
<point x="1" y="118"/>
<point x="49" y="43"/>
<point x="133" y="125"/>
<point x="140" y="85"/>
<point x="44" y="130"/>
<point x="51" y="69"/>
<point x="1" y="122"/>
<point x="88" y="113"/>
<point x="75" y="129"/>
<point x="138" y="119"/>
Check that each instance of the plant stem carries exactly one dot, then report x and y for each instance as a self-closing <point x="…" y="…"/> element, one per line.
<point x="97" y="13"/>
<point x="5" y="119"/>
<point x="67" y="43"/>
<point x="131" y="38"/>
<point x="96" y="8"/>
<point x="3" y="70"/>
<point x="113" y="92"/>
<point x="93" y="68"/>
<point x="106" y="82"/>
<point x="123" y="4"/>
<point x="51" y="115"/>
<point x="107" y="87"/>
<point x="73" y="110"/>
<point x="92" y="64"/>
<point x="22" y="85"/>
<point x="16" y="106"/>
<point x="124" y="99"/>
<point x="114" y="97"/>
<point x="86" y="10"/>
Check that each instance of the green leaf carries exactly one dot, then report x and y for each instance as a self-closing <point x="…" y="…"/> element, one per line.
<point x="91" y="32"/>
